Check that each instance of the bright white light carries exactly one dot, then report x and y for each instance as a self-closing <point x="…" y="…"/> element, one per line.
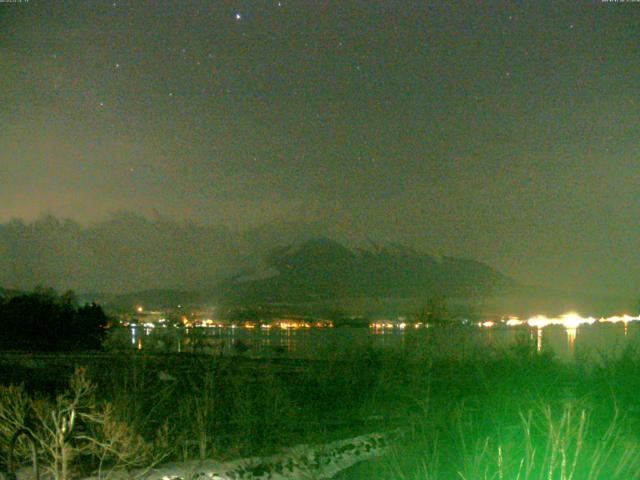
<point x="622" y="318"/>
<point x="572" y="320"/>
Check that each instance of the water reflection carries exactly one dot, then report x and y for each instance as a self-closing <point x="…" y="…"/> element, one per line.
<point x="287" y="343"/>
<point x="571" y="339"/>
<point x="564" y="339"/>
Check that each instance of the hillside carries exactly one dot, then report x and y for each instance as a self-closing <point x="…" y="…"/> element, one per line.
<point x="323" y="268"/>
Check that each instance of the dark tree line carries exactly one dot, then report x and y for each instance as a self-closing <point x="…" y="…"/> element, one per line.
<point x="45" y="321"/>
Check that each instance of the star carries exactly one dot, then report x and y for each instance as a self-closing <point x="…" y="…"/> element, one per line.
<point x="238" y="16"/>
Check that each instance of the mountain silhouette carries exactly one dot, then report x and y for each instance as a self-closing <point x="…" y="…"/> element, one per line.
<point x="324" y="268"/>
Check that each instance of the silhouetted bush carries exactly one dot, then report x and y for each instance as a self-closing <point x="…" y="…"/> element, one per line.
<point x="45" y="321"/>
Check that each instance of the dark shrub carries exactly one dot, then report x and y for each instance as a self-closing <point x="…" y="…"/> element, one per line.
<point x="45" y="321"/>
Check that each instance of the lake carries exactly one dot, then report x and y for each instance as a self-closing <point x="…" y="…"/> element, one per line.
<point x="593" y="340"/>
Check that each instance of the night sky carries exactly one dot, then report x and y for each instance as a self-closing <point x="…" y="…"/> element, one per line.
<point x="508" y="132"/>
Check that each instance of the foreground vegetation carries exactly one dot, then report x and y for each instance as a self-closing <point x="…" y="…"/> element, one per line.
<point x="505" y="414"/>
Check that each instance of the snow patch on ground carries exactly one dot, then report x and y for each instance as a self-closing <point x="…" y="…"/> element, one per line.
<point x="301" y="462"/>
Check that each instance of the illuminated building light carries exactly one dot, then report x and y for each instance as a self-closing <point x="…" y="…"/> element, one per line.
<point x="621" y="318"/>
<point x="514" y="322"/>
<point x="568" y="320"/>
<point x="573" y="320"/>
<point x="539" y="321"/>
